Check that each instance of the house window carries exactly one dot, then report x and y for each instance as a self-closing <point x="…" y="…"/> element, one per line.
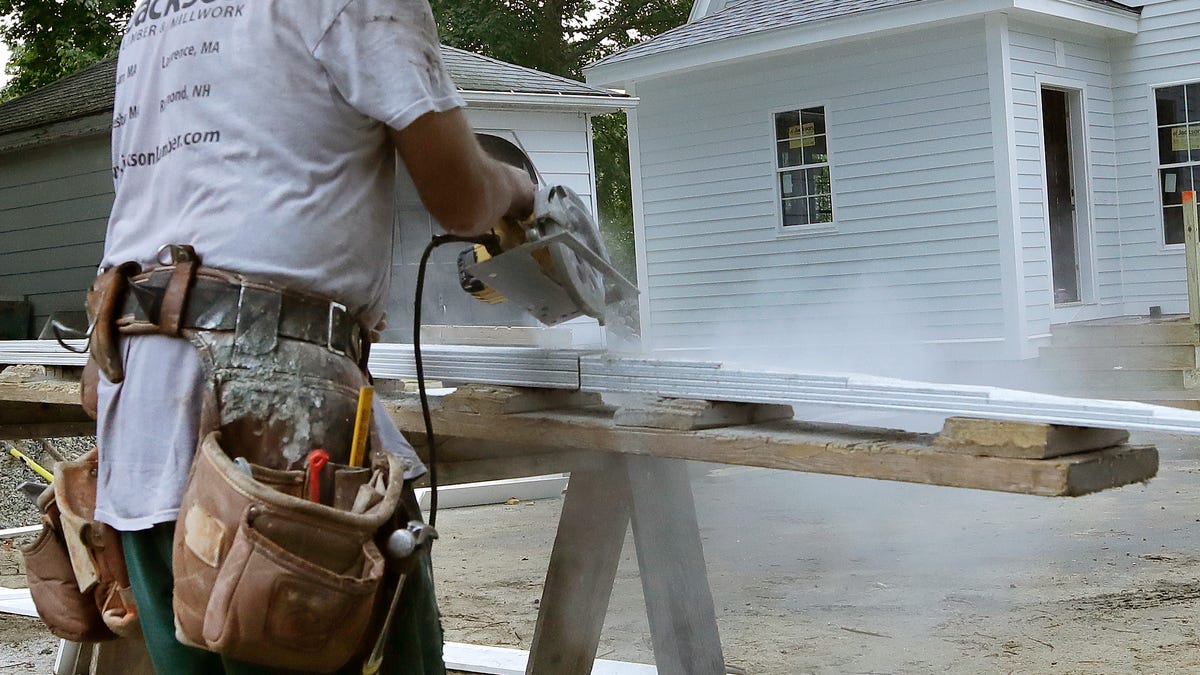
<point x="802" y="161"/>
<point x="1178" y="152"/>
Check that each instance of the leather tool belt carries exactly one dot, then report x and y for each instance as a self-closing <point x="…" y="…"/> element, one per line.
<point x="182" y="296"/>
<point x="222" y="301"/>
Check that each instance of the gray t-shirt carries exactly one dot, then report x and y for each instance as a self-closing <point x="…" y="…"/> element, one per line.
<point x="253" y="130"/>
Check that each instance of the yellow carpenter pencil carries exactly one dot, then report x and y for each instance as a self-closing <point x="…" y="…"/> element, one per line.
<point x="362" y="426"/>
<point x="37" y="468"/>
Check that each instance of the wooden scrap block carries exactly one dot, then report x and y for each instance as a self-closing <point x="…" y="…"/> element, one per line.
<point x="1191" y="379"/>
<point x="1022" y="440"/>
<point x="685" y="414"/>
<point x="486" y="399"/>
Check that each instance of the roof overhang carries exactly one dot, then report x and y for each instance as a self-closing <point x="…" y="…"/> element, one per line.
<point x="88" y="125"/>
<point x="1075" y="14"/>
<point x="556" y="102"/>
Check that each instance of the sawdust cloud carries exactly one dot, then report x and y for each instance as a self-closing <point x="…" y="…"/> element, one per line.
<point x="858" y="329"/>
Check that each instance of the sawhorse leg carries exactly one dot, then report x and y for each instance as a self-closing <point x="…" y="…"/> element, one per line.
<point x="583" y="565"/>
<point x="679" y="603"/>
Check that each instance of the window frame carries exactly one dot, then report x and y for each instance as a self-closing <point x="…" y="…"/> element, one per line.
<point x="1156" y="149"/>
<point x="776" y="171"/>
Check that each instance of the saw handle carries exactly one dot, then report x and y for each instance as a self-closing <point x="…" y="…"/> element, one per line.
<point x="508" y="235"/>
<point x="493" y="242"/>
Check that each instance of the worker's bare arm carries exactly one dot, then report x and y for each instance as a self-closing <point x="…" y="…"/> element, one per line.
<point x="464" y="189"/>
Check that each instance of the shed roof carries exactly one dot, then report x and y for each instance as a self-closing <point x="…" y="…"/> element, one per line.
<point x="756" y="16"/>
<point x="90" y="91"/>
<point x="475" y="72"/>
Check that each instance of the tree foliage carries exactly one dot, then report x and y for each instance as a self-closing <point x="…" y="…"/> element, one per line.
<point x="52" y="38"/>
<point x="555" y="36"/>
<point x="561" y="37"/>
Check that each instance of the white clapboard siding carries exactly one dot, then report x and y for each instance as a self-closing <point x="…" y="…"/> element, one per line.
<point x="53" y="210"/>
<point x="915" y="246"/>
<point x="1034" y="59"/>
<point x="1166" y="50"/>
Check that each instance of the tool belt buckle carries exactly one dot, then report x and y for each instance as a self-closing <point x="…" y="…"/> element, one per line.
<point x="335" y="308"/>
<point x="173" y="254"/>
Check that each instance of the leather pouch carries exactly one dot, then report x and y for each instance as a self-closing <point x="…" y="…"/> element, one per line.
<point x="265" y="576"/>
<point x="70" y="613"/>
<point x="76" y="568"/>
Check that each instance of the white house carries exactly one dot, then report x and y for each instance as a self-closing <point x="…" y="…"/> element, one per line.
<point x="56" y="182"/>
<point x="908" y="180"/>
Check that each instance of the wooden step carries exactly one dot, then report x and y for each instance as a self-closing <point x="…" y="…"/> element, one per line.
<point x="1162" y="357"/>
<point x="1089" y="381"/>
<point x="1133" y="334"/>
<point x="1172" y="397"/>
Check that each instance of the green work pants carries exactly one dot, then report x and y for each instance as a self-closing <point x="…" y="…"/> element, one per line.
<point x="414" y="646"/>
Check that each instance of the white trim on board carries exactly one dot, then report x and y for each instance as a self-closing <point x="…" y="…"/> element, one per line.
<point x="563" y="102"/>
<point x="639" y="224"/>
<point x="1004" y="143"/>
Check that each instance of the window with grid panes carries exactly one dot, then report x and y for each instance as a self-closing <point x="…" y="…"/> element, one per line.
<point x="802" y="161"/>
<point x="1178" y="152"/>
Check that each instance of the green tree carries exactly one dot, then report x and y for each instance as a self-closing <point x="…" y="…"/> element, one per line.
<point x="561" y="37"/>
<point x="52" y="38"/>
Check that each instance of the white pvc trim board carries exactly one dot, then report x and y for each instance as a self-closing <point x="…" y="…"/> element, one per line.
<point x="17" y="601"/>
<point x="600" y="373"/>
<point x="505" y="661"/>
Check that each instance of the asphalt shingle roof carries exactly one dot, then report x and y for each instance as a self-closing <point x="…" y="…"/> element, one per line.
<point x="90" y="91"/>
<point x="83" y="93"/>
<point x="756" y="16"/>
<point x="473" y="72"/>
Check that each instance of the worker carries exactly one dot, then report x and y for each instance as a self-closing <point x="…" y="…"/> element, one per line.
<point x="257" y="143"/>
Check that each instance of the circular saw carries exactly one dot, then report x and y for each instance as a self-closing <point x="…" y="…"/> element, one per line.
<point x="554" y="265"/>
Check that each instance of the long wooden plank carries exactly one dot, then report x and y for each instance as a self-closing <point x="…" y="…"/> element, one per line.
<point x="783" y="444"/>
<point x="788" y="444"/>
<point x="57" y="393"/>
<point x="45" y="410"/>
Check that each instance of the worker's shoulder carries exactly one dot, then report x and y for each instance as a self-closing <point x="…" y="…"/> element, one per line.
<point x="320" y="15"/>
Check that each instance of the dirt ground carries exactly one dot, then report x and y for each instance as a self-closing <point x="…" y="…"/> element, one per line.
<point x="818" y="574"/>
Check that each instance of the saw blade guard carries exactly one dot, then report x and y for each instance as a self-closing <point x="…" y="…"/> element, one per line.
<point x="562" y="271"/>
<point x="560" y="209"/>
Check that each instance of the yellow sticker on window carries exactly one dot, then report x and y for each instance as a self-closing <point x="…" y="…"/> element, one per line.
<point x="1185" y="138"/>
<point x="804" y="135"/>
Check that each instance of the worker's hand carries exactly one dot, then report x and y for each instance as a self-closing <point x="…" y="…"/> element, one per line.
<point x="523" y="189"/>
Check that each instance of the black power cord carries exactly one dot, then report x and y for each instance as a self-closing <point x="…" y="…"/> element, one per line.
<point x="493" y="244"/>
